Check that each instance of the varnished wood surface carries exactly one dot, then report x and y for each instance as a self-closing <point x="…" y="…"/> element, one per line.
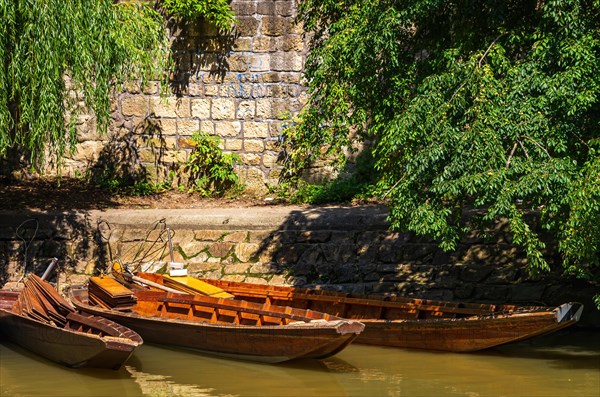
<point x="414" y="323"/>
<point x="231" y="328"/>
<point x="50" y="327"/>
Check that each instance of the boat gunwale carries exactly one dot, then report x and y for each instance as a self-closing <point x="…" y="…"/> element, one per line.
<point x="291" y="292"/>
<point x="387" y="301"/>
<point x="121" y="337"/>
<point x="77" y="292"/>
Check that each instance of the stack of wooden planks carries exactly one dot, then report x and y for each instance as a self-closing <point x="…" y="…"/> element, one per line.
<point x="110" y="294"/>
<point x="38" y="300"/>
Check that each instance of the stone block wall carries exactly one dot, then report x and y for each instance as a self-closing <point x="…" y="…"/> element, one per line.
<point x="348" y="249"/>
<point x="242" y="87"/>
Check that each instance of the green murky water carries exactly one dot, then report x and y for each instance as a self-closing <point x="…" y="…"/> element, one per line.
<point x="564" y="364"/>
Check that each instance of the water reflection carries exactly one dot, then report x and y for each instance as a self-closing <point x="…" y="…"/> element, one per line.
<point x="25" y="374"/>
<point x="567" y="364"/>
<point x="548" y="367"/>
<point x="157" y="368"/>
<point x="161" y="385"/>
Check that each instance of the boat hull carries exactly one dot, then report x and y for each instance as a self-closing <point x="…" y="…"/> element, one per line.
<point x="460" y="335"/>
<point x="270" y="344"/>
<point x="64" y="346"/>
<point x="414" y="323"/>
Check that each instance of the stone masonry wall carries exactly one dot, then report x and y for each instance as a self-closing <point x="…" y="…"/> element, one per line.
<point x="241" y="87"/>
<point x="349" y="249"/>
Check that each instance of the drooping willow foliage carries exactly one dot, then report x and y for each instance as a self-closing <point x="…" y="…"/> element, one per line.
<point x="59" y="57"/>
<point x="489" y="105"/>
<point x="62" y="57"/>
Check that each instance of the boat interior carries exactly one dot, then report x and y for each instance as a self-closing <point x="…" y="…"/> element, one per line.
<point x="109" y="294"/>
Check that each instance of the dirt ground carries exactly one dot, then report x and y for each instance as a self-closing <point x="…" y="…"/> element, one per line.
<point x="72" y="194"/>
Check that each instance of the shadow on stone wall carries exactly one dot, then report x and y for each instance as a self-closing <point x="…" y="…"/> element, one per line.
<point x="198" y="46"/>
<point x="345" y="249"/>
<point x="30" y="239"/>
<point x="120" y="161"/>
<point x="351" y="248"/>
<point x="340" y="248"/>
<point x="14" y="163"/>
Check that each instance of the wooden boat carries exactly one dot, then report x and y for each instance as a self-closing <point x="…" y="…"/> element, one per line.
<point x="230" y="328"/>
<point x="403" y="322"/>
<point x="40" y="320"/>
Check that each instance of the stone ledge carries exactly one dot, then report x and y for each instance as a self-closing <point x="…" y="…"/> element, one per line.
<point x="250" y="218"/>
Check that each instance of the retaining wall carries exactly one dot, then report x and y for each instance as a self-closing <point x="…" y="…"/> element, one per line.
<point x="242" y="87"/>
<point x="349" y="249"/>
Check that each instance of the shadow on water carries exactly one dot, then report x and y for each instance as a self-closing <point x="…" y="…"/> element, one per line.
<point x="568" y="349"/>
<point x="492" y="373"/>
<point x="24" y="373"/>
<point x="330" y="364"/>
<point x="37" y="360"/>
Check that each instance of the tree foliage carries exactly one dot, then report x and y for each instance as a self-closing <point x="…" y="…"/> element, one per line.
<point x="492" y="105"/>
<point x="57" y="54"/>
<point x="217" y="11"/>
<point x="59" y="58"/>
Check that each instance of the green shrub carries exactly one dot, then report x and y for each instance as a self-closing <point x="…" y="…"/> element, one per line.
<point x="211" y="172"/>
